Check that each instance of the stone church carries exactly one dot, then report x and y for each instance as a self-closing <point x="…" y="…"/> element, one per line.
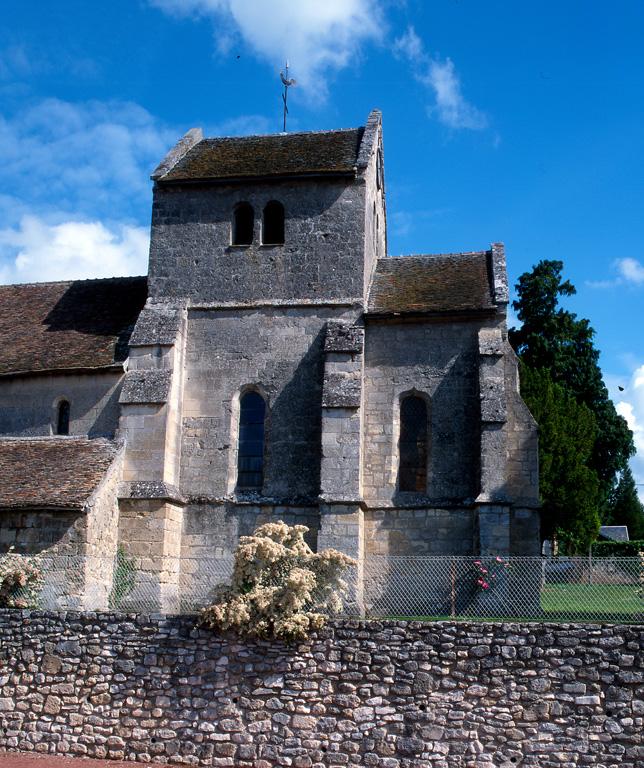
<point x="275" y="363"/>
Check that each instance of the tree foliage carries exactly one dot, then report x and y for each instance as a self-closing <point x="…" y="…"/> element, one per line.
<point x="280" y="588"/>
<point x="569" y="488"/>
<point x="554" y="340"/>
<point x="625" y="508"/>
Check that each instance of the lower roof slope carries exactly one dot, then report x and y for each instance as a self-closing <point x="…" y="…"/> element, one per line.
<point x="52" y="472"/>
<point x="78" y="324"/>
<point x="443" y="284"/>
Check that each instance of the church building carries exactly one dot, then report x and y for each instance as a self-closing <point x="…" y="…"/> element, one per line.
<point x="274" y="364"/>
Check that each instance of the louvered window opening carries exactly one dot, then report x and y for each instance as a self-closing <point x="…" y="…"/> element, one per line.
<point x="273" y="224"/>
<point x="250" y="467"/>
<point x="62" y="419"/>
<point x="243" y="224"/>
<point x="413" y="445"/>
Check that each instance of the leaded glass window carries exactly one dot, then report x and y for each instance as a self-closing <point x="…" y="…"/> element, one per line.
<point x="250" y="457"/>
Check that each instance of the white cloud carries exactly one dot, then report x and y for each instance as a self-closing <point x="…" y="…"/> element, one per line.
<point x="37" y="251"/>
<point x="440" y="77"/>
<point x="92" y="158"/>
<point x="631" y="407"/>
<point x="317" y="36"/>
<point x="630" y="270"/>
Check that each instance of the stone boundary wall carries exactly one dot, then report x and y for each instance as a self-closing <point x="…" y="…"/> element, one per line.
<point x="386" y="694"/>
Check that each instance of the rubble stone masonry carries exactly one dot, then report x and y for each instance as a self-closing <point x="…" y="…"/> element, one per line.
<point x="386" y="694"/>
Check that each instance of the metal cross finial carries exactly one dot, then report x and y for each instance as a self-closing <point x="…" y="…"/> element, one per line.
<point x="287" y="84"/>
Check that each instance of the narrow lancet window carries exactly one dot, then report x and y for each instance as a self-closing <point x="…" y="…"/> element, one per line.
<point x="243" y="224"/>
<point x="273" y="224"/>
<point x="413" y="445"/>
<point x="62" y="418"/>
<point x="250" y="461"/>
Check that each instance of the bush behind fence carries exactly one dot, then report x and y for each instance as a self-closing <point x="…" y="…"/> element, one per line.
<point x="476" y="588"/>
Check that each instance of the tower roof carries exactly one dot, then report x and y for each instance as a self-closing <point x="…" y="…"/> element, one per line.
<point x="319" y="153"/>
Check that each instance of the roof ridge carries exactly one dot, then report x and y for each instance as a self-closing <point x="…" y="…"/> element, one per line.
<point x="278" y="134"/>
<point x="81" y="280"/>
<point x="433" y="255"/>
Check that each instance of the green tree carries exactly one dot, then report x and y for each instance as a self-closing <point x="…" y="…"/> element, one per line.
<point x="554" y="339"/>
<point x="569" y="488"/>
<point x="625" y="507"/>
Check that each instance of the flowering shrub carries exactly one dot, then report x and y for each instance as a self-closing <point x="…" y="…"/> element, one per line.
<point x="488" y="571"/>
<point x="640" y="590"/>
<point x="20" y="581"/>
<point x="280" y="588"/>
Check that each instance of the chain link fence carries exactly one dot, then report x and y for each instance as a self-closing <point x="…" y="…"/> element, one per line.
<point x="522" y="588"/>
<point x="406" y="587"/>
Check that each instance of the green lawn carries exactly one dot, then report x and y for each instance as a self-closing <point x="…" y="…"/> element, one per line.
<point x="601" y="600"/>
<point x="610" y="603"/>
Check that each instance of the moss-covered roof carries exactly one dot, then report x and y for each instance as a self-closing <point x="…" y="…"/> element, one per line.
<point x="286" y="154"/>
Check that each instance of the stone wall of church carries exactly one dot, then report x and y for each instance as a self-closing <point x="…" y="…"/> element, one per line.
<point x="211" y="533"/>
<point x="438" y="360"/>
<point x="191" y="252"/>
<point x="28" y="404"/>
<point x="420" y="531"/>
<point x="280" y="352"/>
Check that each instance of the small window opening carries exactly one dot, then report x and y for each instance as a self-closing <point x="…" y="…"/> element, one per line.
<point x="250" y="459"/>
<point x="413" y="445"/>
<point x="273" y="226"/>
<point x="62" y="418"/>
<point x="243" y="224"/>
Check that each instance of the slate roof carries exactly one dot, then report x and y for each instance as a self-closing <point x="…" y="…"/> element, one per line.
<point x="68" y="325"/>
<point x="446" y="283"/>
<point x="287" y="154"/>
<point x="614" y="532"/>
<point x="53" y="472"/>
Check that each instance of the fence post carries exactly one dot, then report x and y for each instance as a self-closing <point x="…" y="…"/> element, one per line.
<point x="452" y="574"/>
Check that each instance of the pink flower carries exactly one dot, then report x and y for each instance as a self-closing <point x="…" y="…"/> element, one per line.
<point x="483" y="570"/>
<point x="477" y="562"/>
<point x="485" y="585"/>
<point x="499" y="559"/>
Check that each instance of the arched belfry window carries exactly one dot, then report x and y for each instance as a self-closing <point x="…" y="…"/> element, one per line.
<point x="243" y="224"/>
<point x="413" y="444"/>
<point x="273" y="224"/>
<point x="250" y="454"/>
<point x="62" y="418"/>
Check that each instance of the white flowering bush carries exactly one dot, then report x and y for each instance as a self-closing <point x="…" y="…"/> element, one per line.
<point x="21" y="580"/>
<point x="280" y="588"/>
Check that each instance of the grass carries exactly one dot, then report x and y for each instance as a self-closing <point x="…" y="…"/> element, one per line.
<point x="608" y="603"/>
<point x="592" y="600"/>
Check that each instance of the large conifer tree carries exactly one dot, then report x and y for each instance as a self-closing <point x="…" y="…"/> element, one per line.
<point x="554" y="340"/>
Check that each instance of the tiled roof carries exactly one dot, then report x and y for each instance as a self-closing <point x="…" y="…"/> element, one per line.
<point x="288" y="154"/>
<point x="67" y="325"/>
<point x="53" y="472"/>
<point x="446" y="283"/>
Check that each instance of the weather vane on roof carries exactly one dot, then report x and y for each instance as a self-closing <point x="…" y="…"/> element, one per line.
<point x="287" y="84"/>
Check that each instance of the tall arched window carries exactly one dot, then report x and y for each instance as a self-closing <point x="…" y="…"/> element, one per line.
<point x="250" y="455"/>
<point x="413" y="445"/>
<point x="243" y="224"/>
<point x="62" y="418"/>
<point x="273" y="224"/>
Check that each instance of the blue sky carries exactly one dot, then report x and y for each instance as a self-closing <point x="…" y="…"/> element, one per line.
<point x="519" y="122"/>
